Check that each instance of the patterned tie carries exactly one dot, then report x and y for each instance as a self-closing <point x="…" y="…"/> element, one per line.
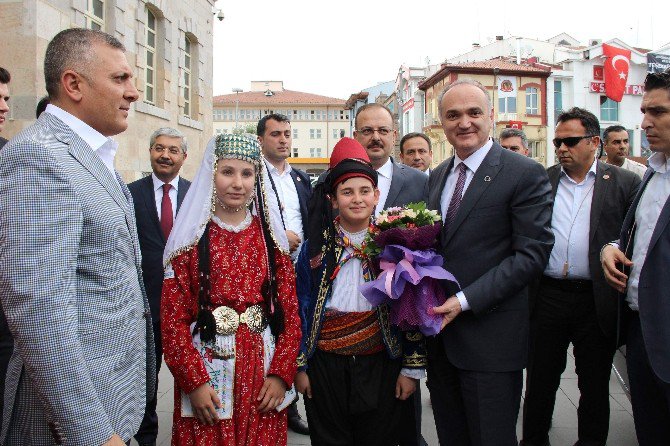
<point x="166" y="211"/>
<point x="455" y="202"/>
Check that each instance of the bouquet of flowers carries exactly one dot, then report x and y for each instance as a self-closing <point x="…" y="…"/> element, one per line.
<point x="400" y="243"/>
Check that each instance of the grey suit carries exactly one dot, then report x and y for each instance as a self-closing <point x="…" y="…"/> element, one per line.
<point x="499" y="240"/>
<point x="408" y="185"/>
<point x="71" y="287"/>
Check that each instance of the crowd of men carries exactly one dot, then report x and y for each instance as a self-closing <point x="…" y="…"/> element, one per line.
<point x="575" y="254"/>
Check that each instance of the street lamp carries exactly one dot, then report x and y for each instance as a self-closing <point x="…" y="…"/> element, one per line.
<point x="237" y="92"/>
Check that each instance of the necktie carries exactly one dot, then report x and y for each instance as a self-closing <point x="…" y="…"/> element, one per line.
<point x="166" y="211"/>
<point x="455" y="202"/>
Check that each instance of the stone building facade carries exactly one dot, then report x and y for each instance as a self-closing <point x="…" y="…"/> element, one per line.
<point x="169" y="46"/>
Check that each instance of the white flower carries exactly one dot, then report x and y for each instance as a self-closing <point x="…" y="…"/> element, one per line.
<point x="409" y="213"/>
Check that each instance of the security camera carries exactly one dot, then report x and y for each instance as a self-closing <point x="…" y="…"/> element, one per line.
<point x="220" y="16"/>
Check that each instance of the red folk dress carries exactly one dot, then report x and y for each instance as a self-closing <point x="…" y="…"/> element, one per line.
<point x="238" y="269"/>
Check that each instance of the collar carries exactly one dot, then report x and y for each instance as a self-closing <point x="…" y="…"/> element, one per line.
<point x="475" y="160"/>
<point x="159" y="184"/>
<point x="273" y="170"/>
<point x="659" y="162"/>
<point x="591" y="172"/>
<point x="387" y="169"/>
<point x="91" y="136"/>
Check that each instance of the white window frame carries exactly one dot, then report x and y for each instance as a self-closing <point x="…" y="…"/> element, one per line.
<point x="150" y="66"/>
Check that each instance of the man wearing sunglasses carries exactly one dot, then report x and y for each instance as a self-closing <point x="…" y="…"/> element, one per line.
<point x="642" y="250"/>
<point x="573" y="303"/>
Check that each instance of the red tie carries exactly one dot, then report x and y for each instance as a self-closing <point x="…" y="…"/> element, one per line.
<point x="166" y="211"/>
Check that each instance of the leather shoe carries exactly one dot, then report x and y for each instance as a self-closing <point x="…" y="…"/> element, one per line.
<point x="295" y="421"/>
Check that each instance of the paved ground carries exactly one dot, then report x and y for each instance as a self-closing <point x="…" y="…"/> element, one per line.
<point x="563" y="433"/>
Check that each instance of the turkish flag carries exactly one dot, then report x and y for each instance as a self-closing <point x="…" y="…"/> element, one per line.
<point x="617" y="64"/>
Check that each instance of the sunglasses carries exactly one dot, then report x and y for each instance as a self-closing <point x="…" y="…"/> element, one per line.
<point x="570" y="141"/>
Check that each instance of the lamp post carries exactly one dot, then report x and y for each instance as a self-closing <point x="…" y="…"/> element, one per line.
<point x="237" y="92"/>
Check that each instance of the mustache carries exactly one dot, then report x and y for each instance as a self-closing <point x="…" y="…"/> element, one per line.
<point x="165" y="162"/>
<point x="375" y="144"/>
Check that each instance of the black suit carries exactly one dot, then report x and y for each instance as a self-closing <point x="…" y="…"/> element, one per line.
<point x="585" y="313"/>
<point x="152" y="244"/>
<point x="498" y="241"/>
<point x="648" y="342"/>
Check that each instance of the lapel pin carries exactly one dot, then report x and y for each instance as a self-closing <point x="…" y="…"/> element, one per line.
<point x="297" y="178"/>
<point x="487" y="178"/>
<point x="606" y="177"/>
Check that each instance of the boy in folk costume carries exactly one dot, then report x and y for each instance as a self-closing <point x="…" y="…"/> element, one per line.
<point x="229" y="312"/>
<point x="354" y="368"/>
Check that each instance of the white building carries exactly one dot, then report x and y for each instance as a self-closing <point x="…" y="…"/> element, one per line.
<point x="318" y="122"/>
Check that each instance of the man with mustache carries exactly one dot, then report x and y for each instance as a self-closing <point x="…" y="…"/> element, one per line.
<point x="573" y="303"/>
<point x="398" y="185"/>
<point x="615" y="139"/>
<point x="157" y="198"/>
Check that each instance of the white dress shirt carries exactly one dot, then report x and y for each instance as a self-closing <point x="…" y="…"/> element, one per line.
<point x="646" y="216"/>
<point x="571" y="222"/>
<point x="101" y="145"/>
<point x="289" y="200"/>
<point x="158" y="194"/>
<point x="384" y="177"/>
<point x="634" y="166"/>
<point x="472" y="163"/>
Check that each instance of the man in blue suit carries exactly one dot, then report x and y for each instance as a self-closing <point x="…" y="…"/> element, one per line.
<point x="293" y="190"/>
<point x="644" y="252"/>
<point x="157" y="198"/>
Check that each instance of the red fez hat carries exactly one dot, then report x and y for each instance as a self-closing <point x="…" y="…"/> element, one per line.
<point x="347" y="148"/>
<point x="350" y="149"/>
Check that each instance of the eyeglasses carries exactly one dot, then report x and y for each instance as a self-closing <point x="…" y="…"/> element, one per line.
<point x="369" y="131"/>
<point x="570" y="141"/>
<point x="171" y="150"/>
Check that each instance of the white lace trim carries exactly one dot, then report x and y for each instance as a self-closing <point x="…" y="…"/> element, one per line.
<point x="244" y="224"/>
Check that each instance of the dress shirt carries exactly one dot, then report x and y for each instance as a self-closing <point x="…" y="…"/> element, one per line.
<point x="646" y="216"/>
<point x="571" y="222"/>
<point x="158" y="194"/>
<point x="472" y="163"/>
<point x="634" y="166"/>
<point x="289" y="200"/>
<point x="385" y="175"/>
<point x="102" y="146"/>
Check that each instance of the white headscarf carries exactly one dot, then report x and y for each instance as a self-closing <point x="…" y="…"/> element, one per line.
<point x="198" y="206"/>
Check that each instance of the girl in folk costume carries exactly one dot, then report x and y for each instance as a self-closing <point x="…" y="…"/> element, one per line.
<point x="350" y="365"/>
<point x="229" y="312"/>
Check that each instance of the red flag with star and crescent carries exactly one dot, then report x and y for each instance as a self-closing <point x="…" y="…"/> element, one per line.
<point x="617" y="65"/>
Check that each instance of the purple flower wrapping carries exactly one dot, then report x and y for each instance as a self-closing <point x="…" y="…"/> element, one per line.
<point x="422" y="237"/>
<point x="409" y="282"/>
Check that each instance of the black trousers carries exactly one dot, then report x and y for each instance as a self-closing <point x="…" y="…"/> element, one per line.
<point x="565" y="312"/>
<point x="650" y="396"/>
<point x="472" y="408"/>
<point x="148" y="431"/>
<point x="353" y="400"/>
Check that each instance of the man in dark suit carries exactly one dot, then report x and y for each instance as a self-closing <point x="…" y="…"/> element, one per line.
<point x="293" y="190"/>
<point x="573" y="303"/>
<point x="157" y="198"/>
<point x="643" y="249"/>
<point x="398" y="185"/>
<point x="496" y="209"/>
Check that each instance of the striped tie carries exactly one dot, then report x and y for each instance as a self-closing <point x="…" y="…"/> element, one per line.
<point x="455" y="202"/>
